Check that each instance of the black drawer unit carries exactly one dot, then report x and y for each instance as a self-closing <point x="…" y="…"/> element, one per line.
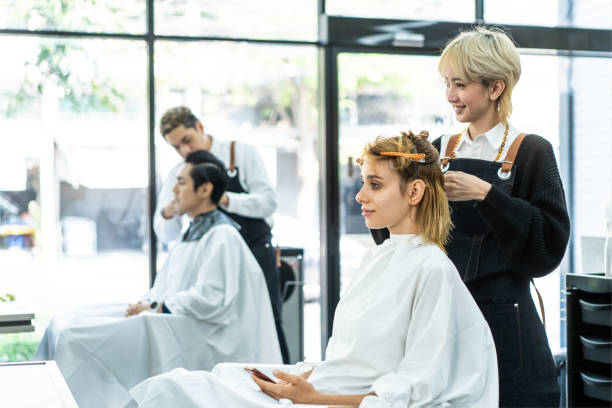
<point x="589" y="340"/>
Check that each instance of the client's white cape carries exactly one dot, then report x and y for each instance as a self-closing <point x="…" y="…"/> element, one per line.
<point x="406" y="329"/>
<point x="220" y="312"/>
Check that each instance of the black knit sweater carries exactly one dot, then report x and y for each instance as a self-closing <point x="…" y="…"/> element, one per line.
<point x="532" y="222"/>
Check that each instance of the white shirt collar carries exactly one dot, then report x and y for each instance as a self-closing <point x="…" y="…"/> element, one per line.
<point x="494" y="136"/>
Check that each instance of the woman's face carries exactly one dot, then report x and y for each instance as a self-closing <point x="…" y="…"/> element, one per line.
<point x="382" y="202"/>
<point x="470" y="101"/>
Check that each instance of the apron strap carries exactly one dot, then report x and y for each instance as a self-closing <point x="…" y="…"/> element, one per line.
<point x="232" y="156"/>
<point x="450" y="149"/>
<point x="511" y="155"/>
<point x="541" y="304"/>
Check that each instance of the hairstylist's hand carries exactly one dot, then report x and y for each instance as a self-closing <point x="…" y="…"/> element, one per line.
<point x="460" y="186"/>
<point x="293" y="387"/>
<point x="224" y="201"/>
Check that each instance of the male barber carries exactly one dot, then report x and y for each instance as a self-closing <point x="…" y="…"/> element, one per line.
<point x="249" y="199"/>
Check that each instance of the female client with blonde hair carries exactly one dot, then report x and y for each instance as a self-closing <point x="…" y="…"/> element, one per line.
<point x="406" y="330"/>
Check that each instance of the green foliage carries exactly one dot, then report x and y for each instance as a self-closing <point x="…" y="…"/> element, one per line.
<point x="64" y="68"/>
<point x="55" y="67"/>
<point x="7" y="298"/>
<point x="18" y="347"/>
<point x="78" y="15"/>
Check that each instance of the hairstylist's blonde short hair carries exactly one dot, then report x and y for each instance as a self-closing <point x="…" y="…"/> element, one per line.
<point x="485" y="55"/>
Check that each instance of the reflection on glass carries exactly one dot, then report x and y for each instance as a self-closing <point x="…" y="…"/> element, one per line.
<point x="442" y="10"/>
<point x="78" y="15"/>
<point x="592" y="13"/>
<point x="73" y="160"/>
<point x="536" y="97"/>
<point x="540" y="13"/>
<point x="591" y="86"/>
<point x="274" y="19"/>
<point x="577" y="13"/>
<point x="264" y="96"/>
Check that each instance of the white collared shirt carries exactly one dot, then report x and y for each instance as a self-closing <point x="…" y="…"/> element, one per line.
<point x="484" y="146"/>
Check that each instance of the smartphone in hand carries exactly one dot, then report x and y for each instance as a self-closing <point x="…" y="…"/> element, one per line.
<point x="259" y="374"/>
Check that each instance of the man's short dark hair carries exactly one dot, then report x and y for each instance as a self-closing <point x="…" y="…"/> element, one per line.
<point x="204" y="156"/>
<point x="209" y="173"/>
<point x="181" y="115"/>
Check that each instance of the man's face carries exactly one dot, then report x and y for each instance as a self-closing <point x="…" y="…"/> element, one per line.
<point x="187" y="140"/>
<point x="186" y="198"/>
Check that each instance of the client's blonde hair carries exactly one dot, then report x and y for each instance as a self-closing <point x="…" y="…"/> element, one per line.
<point x="433" y="216"/>
<point x="485" y="55"/>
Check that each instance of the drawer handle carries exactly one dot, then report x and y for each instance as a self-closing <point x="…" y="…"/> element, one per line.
<point x="597" y="380"/>
<point x="595" y="342"/>
<point x="598" y="307"/>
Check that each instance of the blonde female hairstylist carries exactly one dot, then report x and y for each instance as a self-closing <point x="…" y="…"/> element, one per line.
<point x="508" y="208"/>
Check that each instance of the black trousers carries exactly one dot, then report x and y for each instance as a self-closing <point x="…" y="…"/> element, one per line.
<point x="265" y="254"/>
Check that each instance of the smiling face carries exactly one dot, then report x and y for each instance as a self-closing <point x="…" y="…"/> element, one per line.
<point x="382" y="202"/>
<point x="472" y="101"/>
<point x="187" y="139"/>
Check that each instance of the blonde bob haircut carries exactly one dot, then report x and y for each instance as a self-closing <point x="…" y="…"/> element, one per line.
<point x="432" y="215"/>
<point x="485" y="55"/>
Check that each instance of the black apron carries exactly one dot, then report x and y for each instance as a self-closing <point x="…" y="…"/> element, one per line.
<point x="527" y="374"/>
<point x="257" y="235"/>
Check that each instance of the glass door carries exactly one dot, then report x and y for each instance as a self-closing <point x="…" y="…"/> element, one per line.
<point x="380" y="94"/>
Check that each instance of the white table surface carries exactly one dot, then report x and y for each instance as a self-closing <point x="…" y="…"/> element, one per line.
<point x="34" y="384"/>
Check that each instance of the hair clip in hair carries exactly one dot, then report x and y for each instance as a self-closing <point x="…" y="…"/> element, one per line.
<point x="415" y="157"/>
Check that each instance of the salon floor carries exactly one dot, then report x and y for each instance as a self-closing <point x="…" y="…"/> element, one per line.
<point x="45" y="288"/>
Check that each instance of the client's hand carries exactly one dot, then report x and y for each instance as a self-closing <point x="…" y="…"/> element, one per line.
<point x="293" y="387"/>
<point x="134" y="309"/>
<point x="170" y="210"/>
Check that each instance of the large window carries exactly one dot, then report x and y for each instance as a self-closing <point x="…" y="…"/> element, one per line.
<point x="76" y="133"/>
<point x="266" y="96"/>
<point x="591" y="87"/>
<point x="73" y="164"/>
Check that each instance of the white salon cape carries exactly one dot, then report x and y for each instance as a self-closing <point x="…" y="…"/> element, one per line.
<point x="220" y="308"/>
<point x="406" y="328"/>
